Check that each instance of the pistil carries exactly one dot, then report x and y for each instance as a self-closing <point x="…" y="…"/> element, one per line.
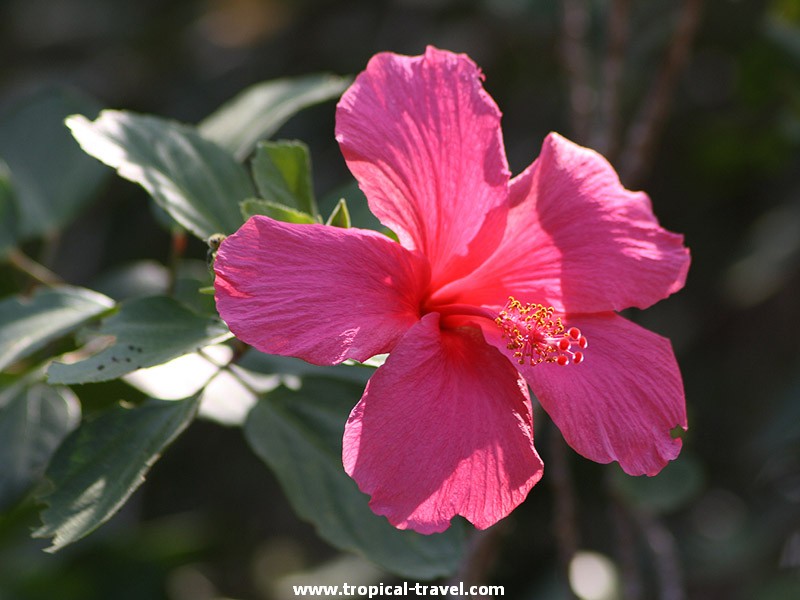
<point x="536" y="335"/>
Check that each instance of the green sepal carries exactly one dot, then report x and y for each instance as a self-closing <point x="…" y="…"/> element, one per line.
<point x="340" y="216"/>
<point x="275" y="210"/>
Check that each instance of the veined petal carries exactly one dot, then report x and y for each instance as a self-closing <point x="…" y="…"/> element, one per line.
<point x="577" y="240"/>
<point x="323" y="294"/>
<point x="619" y="404"/>
<point x="444" y="428"/>
<point x="423" y="139"/>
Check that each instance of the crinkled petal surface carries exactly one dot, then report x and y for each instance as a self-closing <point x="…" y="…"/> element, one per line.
<point x="578" y="240"/>
<point x="423" y="139"/>
<point x="319" y="293"/>
<point x="622" y="402"/>
<point x="444" y="428"/>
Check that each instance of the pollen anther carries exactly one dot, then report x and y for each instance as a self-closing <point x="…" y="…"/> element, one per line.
<point x="535" y="335"/>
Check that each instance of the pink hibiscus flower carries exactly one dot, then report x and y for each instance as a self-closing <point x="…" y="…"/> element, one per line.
<point x="497" y="284"/>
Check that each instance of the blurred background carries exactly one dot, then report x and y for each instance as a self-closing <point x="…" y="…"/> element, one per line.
<point x="698" y="103"/>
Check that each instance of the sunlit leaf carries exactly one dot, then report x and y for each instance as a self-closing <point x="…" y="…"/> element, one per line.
<point x="133" y="279"/>
<point x="259" y="111"/>
<point x="53" y="180"/>
<point x="299" y="435"/>
<point x="184" y="376"/>
<point x="282" y="172"/>
<point x="784" y="34"/>
<point x="34" y="419"/>
<point x="103" y="462"/>
<point x="279" y="212"/>
<point x="27" y="324"/>
<point x="198" y="183"/>
<point x="146" y="332"/>
<point x="296" y="368"/>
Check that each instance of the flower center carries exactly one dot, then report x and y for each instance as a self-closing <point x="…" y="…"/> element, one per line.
<point x="536" y="335"/>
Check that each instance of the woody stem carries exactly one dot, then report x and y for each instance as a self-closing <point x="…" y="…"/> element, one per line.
<point x="566" y="519"/>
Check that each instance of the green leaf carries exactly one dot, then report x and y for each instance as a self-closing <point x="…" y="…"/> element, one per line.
<point x="784" y="34"/>
<point x="259" y="111"/>
<point x="34" y="420"/>
<point x="279" y="212"/>
<point x="282" y="172"/>
<point x="673" y="488"/>
<point x="299" y="435"/>
<point x="53" y="179"/>
<point x="340" y="217"/>
<point x="8" y="211"/>
<point x="146" y="332"/>
<point x="101" y="464"/>
<point x="260" y="362"/>
<point x="198" y="183"/>
<point x="27" y="324"/>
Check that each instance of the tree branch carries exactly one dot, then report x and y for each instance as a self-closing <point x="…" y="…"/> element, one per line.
<point x="626" y="543"/>
<point x="669" y="574"/>
<point x="565" y="521"/>
<point x="576" y="63"/>
<point x="646" y="128"/>
<point x="607" y="131"/>
<point x="480" y="557"/>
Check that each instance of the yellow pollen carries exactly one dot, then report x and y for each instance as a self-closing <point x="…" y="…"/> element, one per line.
<point x="536" y="335"/>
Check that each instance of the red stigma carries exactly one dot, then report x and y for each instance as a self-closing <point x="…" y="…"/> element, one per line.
<point x="536" y="335"/>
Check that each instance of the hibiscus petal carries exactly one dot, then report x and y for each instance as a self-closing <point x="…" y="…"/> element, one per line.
<point x="423" y="139"/>
<point x="323" y="294"/>
<point x="444" y="428"/>
<point x="577" y="240"/>
<point x="621" y="403"/>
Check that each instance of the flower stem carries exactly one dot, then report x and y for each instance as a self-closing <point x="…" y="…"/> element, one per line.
<point x="226" y="367"/>
<point x="177" y="250"/>
<point x="36" y="271"/>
